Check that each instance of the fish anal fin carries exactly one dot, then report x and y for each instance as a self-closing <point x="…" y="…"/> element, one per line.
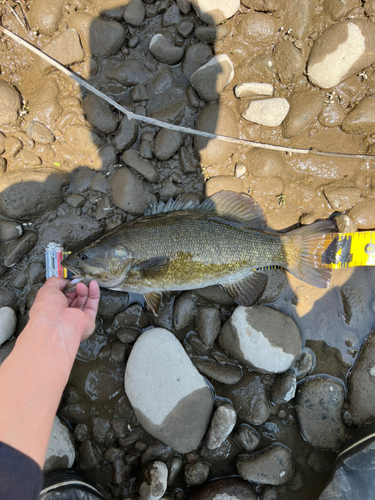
<point x="154" y="301"/>
<point x="155" y="267"/>
<point x="248" y="290"/>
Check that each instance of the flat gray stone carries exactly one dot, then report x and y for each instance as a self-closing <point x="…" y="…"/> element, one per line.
<point x="131" y="158"/>
<point x="168" y="395"/>
<point x="222" y="423"/>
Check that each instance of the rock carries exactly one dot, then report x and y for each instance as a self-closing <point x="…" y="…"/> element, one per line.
<point x="258" y="28"/>
<point x="171" y="16"/>
<point x="214" y="294"/>
<point x="128" y="72"/>
<point x="185" y="28"/>
<point x="132" y="159"/>
<point x="363" y="214"/>
<point x="342" y="50"/>
<point x="8" y="323"/>
<point x="10" y="230"/>
<point x="298" y="16"/>
<point x="39" y="133"/>
<point x="185" y="308"/>
<point x="247" y="437"/>
<point x="264" y="163"/>
<point x="211" y="79"/>
<point x="164" y="51"/>
<point x="341" y="197"/>
<point x="331" y="115"/>
<point x="215" y="13"/>
<point x="226" y="374"/>
<point x="10" y="104"/>
<point x="211" y="34"/>
<point x="166" y="143"/>
<point x="132" y="316"/>
<point x="196" y="473"/>
<point x="229" y="488"/>
<point x="304" y="108"/>
<point x="45" y="15"/>
<point x="208" y="323"/>
<point x="61" y="449"/>
<point x="93" y="30"/>
<point x="223" y="183"/>
<point x="217" y="119"/>
<point x="126" y="135"/>
<point x="65" y="48"/>
<point x="171" y="400"/>
<point x="99" y="115"/>
<point x="44" y="103"/>
<point x="82" y="139"/>
<point x="250" y="398"/>
<point x="222" y="424"/>
<point x="196" y="56"/>
<point x="187" y="160"/>
<point x="100" y="183"/>
<point x="361" y="384"/>
<point x="174" y="113"/>
<point x="135" y="12"/>
<point x="273" y="465"/>
<point x="140" y="93"/>
<point x="319" y="404"/>
<point x="89" y="455"/>
<point x="29" y="193"/>
<point x="111" y="303"/>
<point x="361" y="119"/>
<point x="128" y="191"/>
<point x="8" y="298"/>
<point x="104" y="383"/>
<point x="252" y="89"/>
<point x="154" y="481"/>
<point x="289" y="62"/>
<point x="284" y="388"/>
<point x="265" y="339"/>
<point x="184" y="6"/>
<point x="269" y="112"/>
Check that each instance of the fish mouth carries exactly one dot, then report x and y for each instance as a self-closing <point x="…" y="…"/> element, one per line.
<point x="74" y="268"/>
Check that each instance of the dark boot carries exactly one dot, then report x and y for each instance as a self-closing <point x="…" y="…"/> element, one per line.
<point x="68" y="484"/>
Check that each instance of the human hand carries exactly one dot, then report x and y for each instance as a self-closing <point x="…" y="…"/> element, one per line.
<point x="74" y="313"/>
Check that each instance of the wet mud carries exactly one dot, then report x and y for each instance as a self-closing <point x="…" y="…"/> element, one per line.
<point x="66" y="175"/>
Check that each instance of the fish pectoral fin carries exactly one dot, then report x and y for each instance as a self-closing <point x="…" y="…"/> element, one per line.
<point x="248" y="290"/>
<point x="154" y="301"/>
<point x="154" y="268"/>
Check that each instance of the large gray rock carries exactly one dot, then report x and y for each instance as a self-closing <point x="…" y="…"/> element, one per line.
<point x="170" y="398"/>
<point x="10" y="104"/>
<point x="28" y="193"/>
<point x="128" y="191"/>
<point x="342" y="50"/>
<point x="215" y="12"/>
<point x="8" y="323"/>
<point x="211" y="79"/>
<point x="61" y="449"/>
<point x="265" y="339"/>
<point x="319" y="406"/>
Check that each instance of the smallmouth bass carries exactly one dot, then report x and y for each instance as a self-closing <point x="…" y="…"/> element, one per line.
<point x="182" y="246"/>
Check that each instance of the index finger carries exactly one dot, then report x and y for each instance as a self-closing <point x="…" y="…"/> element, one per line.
<point x="92" y="302"/>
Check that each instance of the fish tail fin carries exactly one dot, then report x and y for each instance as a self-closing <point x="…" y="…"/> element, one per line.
<point x="304" y="248"/>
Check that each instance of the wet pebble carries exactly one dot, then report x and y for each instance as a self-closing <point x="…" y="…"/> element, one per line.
<point x="164" y="51"/>
<point x="8" y="323"/>
<point x="269" y="112"/>
<point x="170" y="400"/>
<point x="45" y="15"/>
<point x="361" y="384"/>
<point x="222" y="423"/>
<point x="265" y="339"/>
<point x="284" y="388"/>
<point x="126" y="134"/>
<point x="251" y="89"/>
<point x="140" y="93"/>
<point x="171" y="16"/>
<point x="10" y="230"/>
<point x="166" y="143"/>
<point x="304" y="109"/>
<point x="247" y="437"/>
<point x="196" y="473"/>
<point x="232" y="488"/>
<point x="99" y="115"/>
<point x="273" y="465"/>
<point x="258" y="28"/>
<point x="100" y="183"/>
<point x="196" y="56"/>
<point x="223" y="183"/>
<point x="13" y="251"/>
<point x="154" y="481"/>
<point x="187" y="160"/>
<point x="319" y="406"/>
<point x="185" y="28"/>
<point x="361" y="119"/>
<point x="39" y="133"/>
<point x="129" y="73"/>
<point x="363" y="214"/>
<point x="211" y="79"/>
<point x="342" y="50"/>
<point x="128" y="335"/>
<point x="131" y="158"/>
<point x="89" y="455"/>
<point x="128" y="191"/>
<point x="61" y="452"/>
<point x="132" y="316"/>
<point x="264" y="163"/>
<point x="185" y="308"/>
<point x="65" y="48"/>
<point x="174" y="469"/>
<point x="10" y="104"/>
<point x="208" y="323"/>
<point x="174" y="113"/>
<point x="289" y="62"/>
<point x="135" y="12"/>
<point x="331" y="115"/>
<point x="250" y="398"/>
<point x="184" y="6"/>
<point x="80" y="432"/>
<point x="342" y="197"/>
<point x="224" y="373"/>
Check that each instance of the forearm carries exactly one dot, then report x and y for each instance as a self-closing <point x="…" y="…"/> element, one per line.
<point x="32" y="380"/>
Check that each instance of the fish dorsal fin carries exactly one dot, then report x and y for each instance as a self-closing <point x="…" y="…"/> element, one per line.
<point x="154" y="301"/>
<point x="170" y="206"/>
<point x="248" y="290"/>
<point x="155" y="267"/>
<point x="236" y="205"/>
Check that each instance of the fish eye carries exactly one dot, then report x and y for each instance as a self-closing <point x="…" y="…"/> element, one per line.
<point x="83" y="256"/>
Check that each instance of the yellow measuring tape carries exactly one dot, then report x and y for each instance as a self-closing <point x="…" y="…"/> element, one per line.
<point x="344" y="250"/>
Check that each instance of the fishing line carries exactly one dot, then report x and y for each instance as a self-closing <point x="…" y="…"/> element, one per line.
<point x="152" y="121"/>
